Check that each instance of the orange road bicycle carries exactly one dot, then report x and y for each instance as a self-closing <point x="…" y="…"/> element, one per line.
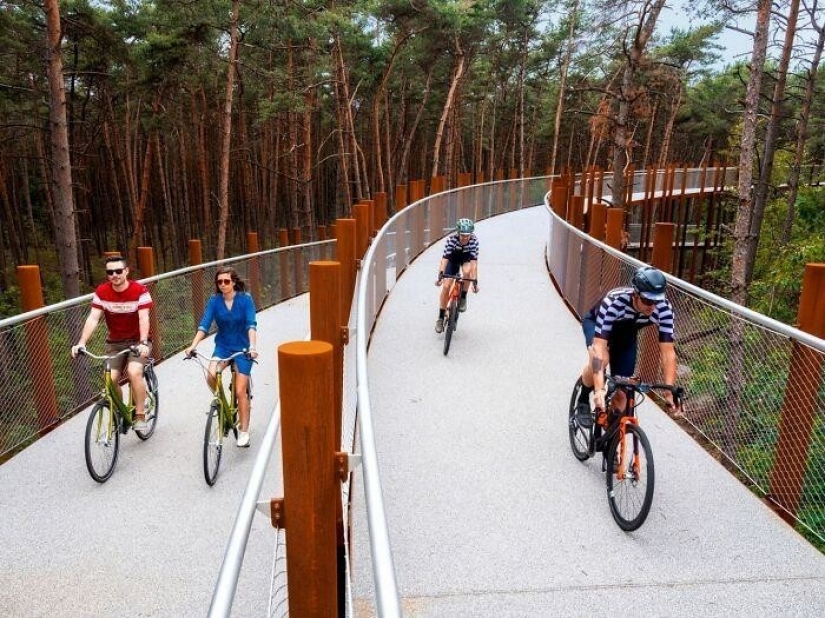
<point x="112" y="416"/>
<point x="222" y="415"/>
<point x="627" y="456"/>
<point x="451" y="315"/>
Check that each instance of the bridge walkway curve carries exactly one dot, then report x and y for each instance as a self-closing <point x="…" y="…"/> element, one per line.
<point x="489" y="512"/>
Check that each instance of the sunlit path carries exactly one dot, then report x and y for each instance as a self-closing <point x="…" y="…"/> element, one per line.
<point x="490" y="514"/>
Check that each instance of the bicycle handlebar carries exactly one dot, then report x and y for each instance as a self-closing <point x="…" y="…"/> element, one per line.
<point x="83" y="351"/>
<point x="636" y="383"/>
<point x="458" y="278"/>
<point x="246" y="353"/>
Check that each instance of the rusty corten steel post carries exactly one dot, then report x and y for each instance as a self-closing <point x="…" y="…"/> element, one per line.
<point x="39" y="364"/>
<point x="146" y="264"/>
<point x="663" y="234"/>
<point x="311" y="483"/>
<point x="254" y="267"/>
<point x="380" y="211"/>
<point x="283" y="263"/>
<point x="799" y="407"/>
<point x="195" y="259"/>
<point x="345" y="234"/>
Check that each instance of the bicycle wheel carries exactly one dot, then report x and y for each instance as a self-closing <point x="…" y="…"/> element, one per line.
<point x="212" y="445"/>
<point x="152" y="403"/>
<point x="452" y="310"/>
<point x="630" y="483"/>
<point x="580" y="437"/>
<point x="102" y="442"/>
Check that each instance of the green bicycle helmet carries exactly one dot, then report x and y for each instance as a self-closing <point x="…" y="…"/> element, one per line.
<point x="465" y="226"/>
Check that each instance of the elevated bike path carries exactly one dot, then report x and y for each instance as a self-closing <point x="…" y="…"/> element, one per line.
<point x="150" y="541"/>
<point x="489" y="512"/>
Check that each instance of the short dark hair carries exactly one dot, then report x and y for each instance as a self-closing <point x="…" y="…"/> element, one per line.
<point x="115" y="258"/>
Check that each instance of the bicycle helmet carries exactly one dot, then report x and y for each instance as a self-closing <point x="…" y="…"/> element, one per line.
<point x="465" y="226"/>
<point x="649" y="283"/>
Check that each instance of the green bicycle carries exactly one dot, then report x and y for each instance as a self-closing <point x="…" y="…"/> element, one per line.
<point x="222" y="416"/>
<point x="112" y="416"/>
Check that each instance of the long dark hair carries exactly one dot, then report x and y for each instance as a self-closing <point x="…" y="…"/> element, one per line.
<point x="239" y="285"/>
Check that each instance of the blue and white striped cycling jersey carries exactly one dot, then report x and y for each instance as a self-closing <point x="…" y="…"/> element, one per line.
<point x="454" y="250"/>
<point x="615" y="311"/>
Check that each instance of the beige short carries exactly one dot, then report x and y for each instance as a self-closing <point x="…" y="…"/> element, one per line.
<point x="118" y="364"/>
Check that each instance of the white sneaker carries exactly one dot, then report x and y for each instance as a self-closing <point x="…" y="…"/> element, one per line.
<point x="243" y="438"/>
<point x="140" y="425"/>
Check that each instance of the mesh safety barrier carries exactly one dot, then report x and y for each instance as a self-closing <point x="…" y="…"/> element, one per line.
<point x="755" y="386"/>
<point x="44" y="385"/>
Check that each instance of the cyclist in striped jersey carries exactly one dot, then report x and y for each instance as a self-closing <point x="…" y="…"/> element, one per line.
<point x="460" y="251"/>
<point x="610" y="330"/>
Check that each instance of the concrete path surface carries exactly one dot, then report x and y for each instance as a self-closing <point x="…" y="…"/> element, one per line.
<point x="149" y="541"/>
<point x="489" y="512"/>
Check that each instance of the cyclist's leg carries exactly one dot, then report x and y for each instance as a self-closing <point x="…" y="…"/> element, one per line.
<point x="134" y="370"/>
<point x="244" y="369"/>
<point x="623" y="352"/>
<point x="589" y="331"/>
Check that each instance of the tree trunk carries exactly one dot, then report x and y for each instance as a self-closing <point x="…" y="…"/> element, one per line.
<point x="621" y="142"/>
<point x="448" y="103"/>
<point x="226" y="141"/>
<point x="802" y="138"/>
<point x="736" y="370"/>
<point x="565" y="67"/>
<point x="760" y="199"/>
<point x="65" y="232"/>
<point x="408" y="140"/>
<point x="742" y="227"/>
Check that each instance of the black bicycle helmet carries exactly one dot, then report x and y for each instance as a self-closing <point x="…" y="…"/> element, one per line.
<point x="649" y="283"/>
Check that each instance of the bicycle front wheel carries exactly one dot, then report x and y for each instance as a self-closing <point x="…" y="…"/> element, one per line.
<point x="212" y="445"/>
<point x="580" y="436"/>
<point x="630" y="478"/>
<point x="102" y="442"/>
<point x="152" y="403"/>
<point x="452" y="310"/>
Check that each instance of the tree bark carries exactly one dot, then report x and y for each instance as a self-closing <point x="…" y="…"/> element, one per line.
<point x="565" y="67"/>
<point x="448" y="103"/>
<point x="760" y="200"/>
<point x="226" y="141"/>
<point x="802" y="138"/>
<point x="65" y="231"/>
<point x="621" y="142"/>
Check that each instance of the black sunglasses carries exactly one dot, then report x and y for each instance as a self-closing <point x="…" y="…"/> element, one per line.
<point x="646" y="301"/>
<point x="114" y="271"/>
<point x="223" y="281"/>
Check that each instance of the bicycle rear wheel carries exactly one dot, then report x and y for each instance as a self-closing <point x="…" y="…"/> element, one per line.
<point x="212" y="445"/>
<point x="580" y="437"/>
<point x="452" y="312"/>
<point x="630" y="482"/>
<point x="152" y="403"/>
<point x="102" y="442"/>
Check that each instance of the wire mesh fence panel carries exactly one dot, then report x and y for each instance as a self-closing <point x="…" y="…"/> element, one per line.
<point x="756" y="392"/>
<point x="45" y="385"/>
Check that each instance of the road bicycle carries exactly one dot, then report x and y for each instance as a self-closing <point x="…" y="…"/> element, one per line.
<point x="223" y="413"/>
<point x="451" y="313"/>
<point x="627" y="456"/>
<point x="112" y="416"/>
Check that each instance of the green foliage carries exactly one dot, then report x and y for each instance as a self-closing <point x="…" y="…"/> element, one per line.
<point x="779" y="266"/>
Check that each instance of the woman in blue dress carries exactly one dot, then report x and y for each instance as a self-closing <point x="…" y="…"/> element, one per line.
<point x="232" y="309"/>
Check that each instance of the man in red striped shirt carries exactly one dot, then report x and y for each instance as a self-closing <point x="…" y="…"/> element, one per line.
<point x="124" y="305"/>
